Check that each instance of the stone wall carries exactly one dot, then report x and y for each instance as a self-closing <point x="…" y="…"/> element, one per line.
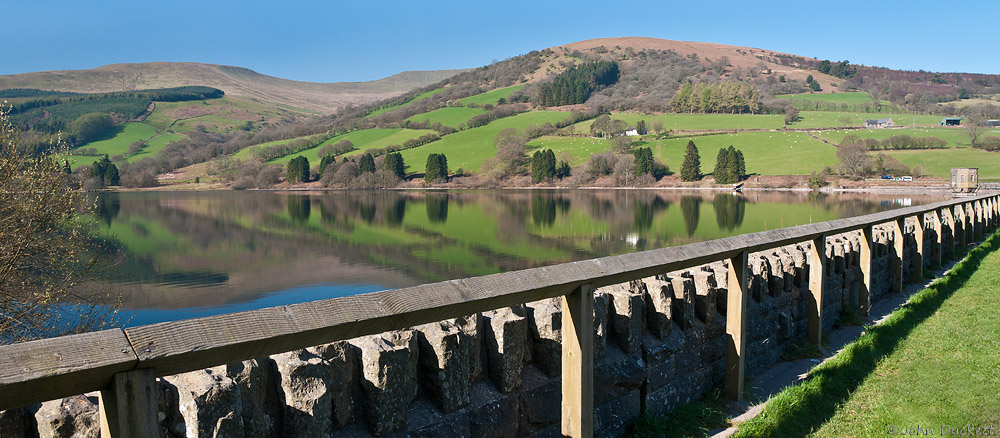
<point x="659" y="343"/>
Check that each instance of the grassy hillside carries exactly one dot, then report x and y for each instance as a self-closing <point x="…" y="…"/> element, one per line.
<point x="363" y="140"/>
<point x="450" y="116"/>
<point x="467" y="149"/>
<point x="490" y="97"/>
<point x="235" y="81"/>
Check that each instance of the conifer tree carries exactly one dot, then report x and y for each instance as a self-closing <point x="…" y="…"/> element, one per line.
<point x="691" y="167"/>
<point x="366" y="163"/>
<point x="723" y="172"/>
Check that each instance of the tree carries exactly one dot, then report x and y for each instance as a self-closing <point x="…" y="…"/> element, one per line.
<point x="394" y="163"/>
<point x="963" y="93"/>
<point x="824" y="66"/>
<point x="644" y="162"/>
<point x="366" y="164"/>
<point x="51" y="263"/>
<point x="691" y="167"/>
<point x="563" y="170"/>
<point x="657" y="126"/>
<point x="326" y="161"/>
<point x="640" y="128"/>
<point x="854" y="159"/>
<point x="436" y="168"/>
<point x="723" y="172"/>
<point x="975" y="126"/>
<point x="791" y="115"/>
<point x="543" y="165"/>
<point x="621" y="144"/>
<point x="297" y="170"/>
<point x="111" y="176"/>
<point x="741" y="165"/>
<point x="815" y="86"/>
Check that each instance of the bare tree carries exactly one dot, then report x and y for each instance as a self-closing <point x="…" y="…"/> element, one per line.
<point x="975" y="126"/>
<point x="854" y="159"/>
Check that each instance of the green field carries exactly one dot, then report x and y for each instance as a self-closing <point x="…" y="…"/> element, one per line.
<point x="579" y="147"/>
<point x="853" y="97"/>
<point x="830" y="119"/>
<point x="681" y="122"/>
<point x="490" y="97"/>
<point x="363" y="140"/>
<point x="116" y="142"/>
<point x="220" y="115"/>
<point x="417" y="98"/>
<point x="938" y="163"/>
<point x="954" y="137"/>
<point x="449" y="116"/>
<point x="766" y="153"/>
<point x="467" y="149"/>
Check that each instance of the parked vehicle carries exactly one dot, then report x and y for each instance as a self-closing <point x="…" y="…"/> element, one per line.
<point x="886" y="177"/>
<point x="907" y="178"/>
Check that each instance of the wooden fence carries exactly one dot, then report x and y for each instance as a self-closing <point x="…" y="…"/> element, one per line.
<point x="123" y="363"/>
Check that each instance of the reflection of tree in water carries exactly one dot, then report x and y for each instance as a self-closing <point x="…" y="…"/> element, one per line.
<point x="107" y="207"/>
<point x="690" y="206"/>
<point x="437" y="207"/>
<point x="366" y="210"/>
<point x="646" y="211"/>
<point x="394" y="210"/>
<point x="299" y="208"/>
<point x="729" y="210"/>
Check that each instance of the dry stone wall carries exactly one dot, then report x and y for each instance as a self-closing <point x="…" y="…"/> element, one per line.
<point x="659" y="343"/>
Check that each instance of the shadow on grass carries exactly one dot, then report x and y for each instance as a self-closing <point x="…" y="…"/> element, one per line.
<point x="801" y="409"/>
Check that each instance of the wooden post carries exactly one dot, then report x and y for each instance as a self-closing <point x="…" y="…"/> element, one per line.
<point x="736" y="326"/>
<point x="897" y="262"/>
<point x="936" y="225"/>
<point x="578" y="362"/>
<point x="128" y="408"/>
<point x="817" y="262"/>
<point x="865" y="286"/>
<point x="918" y="256"/>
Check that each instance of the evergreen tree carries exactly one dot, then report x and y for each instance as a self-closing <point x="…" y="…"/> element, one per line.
<point x="543" y="165"/>
<point x="366" y="163"/>
<point x="111" y="175"/>
<point x="640" y="127"/>
<point x="326" y="161"/>
<point x="394" y="163"/>
<point x="691" y="167"/>
<point x="723" y="171"/>
<point x="644" y="162"/>
<point x="304" y="168"/>
<point x="436" y="168"/>
<point x="741" y="165"/>
<point x="297" y="170"/>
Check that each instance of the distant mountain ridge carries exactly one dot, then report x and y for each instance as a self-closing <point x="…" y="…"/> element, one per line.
<point x="235" y="81"/>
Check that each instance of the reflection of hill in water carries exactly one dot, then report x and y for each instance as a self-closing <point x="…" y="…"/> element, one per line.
<point x="208" y="249"/>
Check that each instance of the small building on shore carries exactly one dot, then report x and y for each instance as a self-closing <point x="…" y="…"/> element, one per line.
<point x="964" y="179"/>
<point x="951" y="121"/>
<point x="879" y="123"/>
<point x="993" y="123"/>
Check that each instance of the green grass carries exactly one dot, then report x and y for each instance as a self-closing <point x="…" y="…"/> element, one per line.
<point x="581" y="148"/>
<point x="467" y="149"/>
<point x="680" y="122"/>
<point x="954" y="137"/>
<point x="938" y="163"/>
<point x="449" y="116"/>
<point x="694" y="419"/>
<point x="853" y="97"/>
<point x="417" y="98"/>
<point x="830" y="119"/>
<point x="363" y="140"/>
<point x="766" y="153"/>
<point x="931" y="363"/>
<point x="490" y="97"/>
<point x="115" y="142"/>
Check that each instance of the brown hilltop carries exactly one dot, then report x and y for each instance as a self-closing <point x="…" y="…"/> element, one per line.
<point x="235" y="81"/>
<point x="739" y="56"/>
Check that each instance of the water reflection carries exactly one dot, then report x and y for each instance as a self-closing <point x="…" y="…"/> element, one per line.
<point x="192" y="253"/>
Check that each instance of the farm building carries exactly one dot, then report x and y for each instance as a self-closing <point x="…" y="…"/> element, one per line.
<point x="880" y="123"/>
<point x="993" y="123"/>
<point x="951" y="121"/>
<point x="632" y="132"/>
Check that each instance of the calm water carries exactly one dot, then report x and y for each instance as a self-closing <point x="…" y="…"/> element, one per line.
<point x="194" y="254"/>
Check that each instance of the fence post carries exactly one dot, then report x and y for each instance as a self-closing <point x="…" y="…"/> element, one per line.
<point x="936" y="225"/>
<point x="128" y="408"/>
<point x="817" y="262"/>
<point x="918" y="256"/>
<point x="865" y="289"/>
<point x="736" y="324"/>
<point x="578" y="362"/>
<point x="897" y="262"/>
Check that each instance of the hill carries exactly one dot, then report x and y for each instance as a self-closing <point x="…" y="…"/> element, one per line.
<point x="234" y="81"/>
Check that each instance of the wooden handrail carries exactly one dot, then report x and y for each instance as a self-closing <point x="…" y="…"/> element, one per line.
<point x="47" y="369"/>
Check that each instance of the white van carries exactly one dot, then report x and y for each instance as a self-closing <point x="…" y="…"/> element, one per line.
<point x="907" y="178"/>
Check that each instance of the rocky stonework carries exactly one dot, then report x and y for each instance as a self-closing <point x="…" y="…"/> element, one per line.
<point x="497" y="374"/>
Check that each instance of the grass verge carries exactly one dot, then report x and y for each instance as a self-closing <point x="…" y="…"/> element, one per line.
<point x="928" y="364"/>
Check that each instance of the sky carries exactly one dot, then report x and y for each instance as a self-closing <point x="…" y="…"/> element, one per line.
<point x="337" y="40"/>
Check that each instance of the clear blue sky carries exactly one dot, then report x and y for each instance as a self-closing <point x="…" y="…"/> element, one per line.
<point x="338" y="40"/>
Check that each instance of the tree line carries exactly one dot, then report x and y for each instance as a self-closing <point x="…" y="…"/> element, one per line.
<point x="724" y="97"/>
<point x="575" y="85"/>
